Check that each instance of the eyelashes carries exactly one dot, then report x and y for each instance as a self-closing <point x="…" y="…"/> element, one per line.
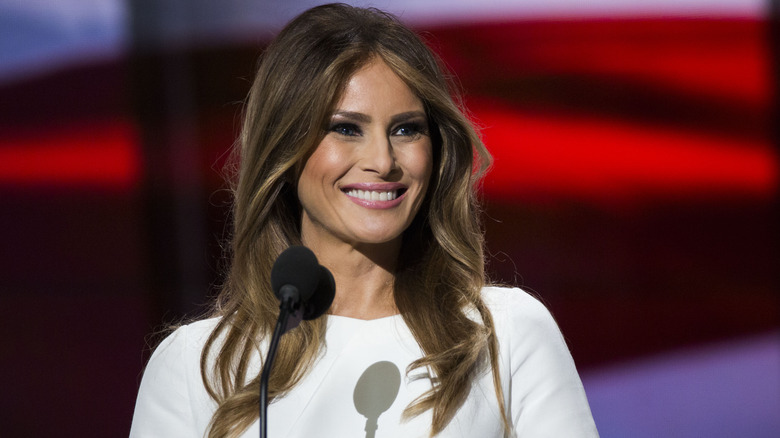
<point x="409" y="130"/>
<point x="346" y="129"/>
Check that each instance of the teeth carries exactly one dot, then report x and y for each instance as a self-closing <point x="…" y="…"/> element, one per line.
<point x="372" y="195"/>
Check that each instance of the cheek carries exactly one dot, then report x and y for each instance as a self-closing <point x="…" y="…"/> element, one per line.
<point x="324" y="164"/>
<point x="423" y="163"/>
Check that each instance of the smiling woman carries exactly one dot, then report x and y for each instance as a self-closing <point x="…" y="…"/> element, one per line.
<point x="354" y="146"/>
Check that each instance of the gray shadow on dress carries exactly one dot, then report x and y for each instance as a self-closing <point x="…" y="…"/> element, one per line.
<point x="375" y="392"/>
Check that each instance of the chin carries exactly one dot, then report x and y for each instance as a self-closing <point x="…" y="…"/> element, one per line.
<point x="377" y="238"/>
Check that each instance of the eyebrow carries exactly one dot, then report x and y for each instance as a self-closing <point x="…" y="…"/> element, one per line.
<point x="354" y="116"/>
<point x="364" y="118"/>
<point x="409" y="115"/>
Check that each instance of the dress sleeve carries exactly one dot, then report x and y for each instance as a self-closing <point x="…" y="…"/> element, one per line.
<point x="547" y="397"/>
<point x="163" y="406"/>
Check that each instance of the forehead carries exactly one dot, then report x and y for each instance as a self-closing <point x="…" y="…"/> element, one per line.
<point x="375" y="87"/>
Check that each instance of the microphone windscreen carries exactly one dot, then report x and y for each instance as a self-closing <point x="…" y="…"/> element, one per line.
<point x="323" y="296"/>
<point x="296" y="266"/>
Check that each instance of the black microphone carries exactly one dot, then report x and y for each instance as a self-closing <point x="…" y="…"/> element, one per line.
<point x="305" y="290"/>
<point x="298" y="277"/>
<point x="294" y="277"/>
<point x="320" y="301"/>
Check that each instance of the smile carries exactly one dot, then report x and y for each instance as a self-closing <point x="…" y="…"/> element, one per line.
<point x="373" y="195"/>
<point x="376" y="196"/>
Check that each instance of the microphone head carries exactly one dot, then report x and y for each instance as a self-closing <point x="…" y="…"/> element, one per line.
<point x="322" y="298"/>
<point x="296" y="266"/>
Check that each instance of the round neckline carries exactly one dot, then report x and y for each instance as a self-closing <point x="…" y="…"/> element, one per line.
<point x="373" y="329"/>
<point x="363" y="321"/>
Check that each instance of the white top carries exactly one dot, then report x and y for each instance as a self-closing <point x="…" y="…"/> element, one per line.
<point x="359" y="386"/>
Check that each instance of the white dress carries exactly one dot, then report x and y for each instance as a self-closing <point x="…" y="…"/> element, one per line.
<point x="359" y="386"/>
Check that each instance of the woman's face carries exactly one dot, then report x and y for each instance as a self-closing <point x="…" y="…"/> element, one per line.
<point x="366" y="180"/>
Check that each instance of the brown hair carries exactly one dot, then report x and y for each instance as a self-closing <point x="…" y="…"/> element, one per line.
<point x="441" y="267"/>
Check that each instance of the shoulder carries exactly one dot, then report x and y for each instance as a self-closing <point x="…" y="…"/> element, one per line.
<point x="185" y="340"/>
<point x="499" y="295"/>
<point x="172" y="399"/>
<point x="524" y="326"/>
<point x="197" y="331"/>
<point x="180" y="351"/>
<point x="546" y="397"/>
<point x="515" y="304"/>
<point x="194" y="333"/>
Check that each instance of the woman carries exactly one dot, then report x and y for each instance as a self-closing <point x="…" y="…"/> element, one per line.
<point x="353" y="146"/>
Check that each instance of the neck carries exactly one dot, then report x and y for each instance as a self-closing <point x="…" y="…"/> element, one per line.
<point x="364" y="275"/>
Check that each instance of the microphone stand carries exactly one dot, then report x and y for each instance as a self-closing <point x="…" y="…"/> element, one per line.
<point x="290" y="298"/>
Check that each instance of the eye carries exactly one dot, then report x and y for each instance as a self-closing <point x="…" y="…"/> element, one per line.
<point x="410" y="130"/>
<point x="345" y="129"/>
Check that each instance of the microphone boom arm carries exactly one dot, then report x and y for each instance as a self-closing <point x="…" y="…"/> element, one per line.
<point x="290" y="299"/>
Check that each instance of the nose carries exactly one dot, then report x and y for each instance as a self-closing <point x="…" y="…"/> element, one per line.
<point x="379" y="156"/>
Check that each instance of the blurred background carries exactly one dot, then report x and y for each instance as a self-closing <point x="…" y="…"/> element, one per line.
<point x="634" y="189"/>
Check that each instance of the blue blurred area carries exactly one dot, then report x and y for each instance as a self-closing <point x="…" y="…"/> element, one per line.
<point x="37" y="36"/>
<point x="723" y="390"/>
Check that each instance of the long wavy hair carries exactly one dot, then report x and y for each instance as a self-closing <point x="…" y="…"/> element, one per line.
<point x="440" y="272"/>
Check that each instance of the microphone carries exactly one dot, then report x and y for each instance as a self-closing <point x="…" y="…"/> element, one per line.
<point x="305" y="290"/>
<point x="320" y="301"/>
<point x="302" y="285"/>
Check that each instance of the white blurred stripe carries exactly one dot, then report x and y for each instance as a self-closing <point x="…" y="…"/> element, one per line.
<point x="442" y="11"/>
<point x="40" y="35"/>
